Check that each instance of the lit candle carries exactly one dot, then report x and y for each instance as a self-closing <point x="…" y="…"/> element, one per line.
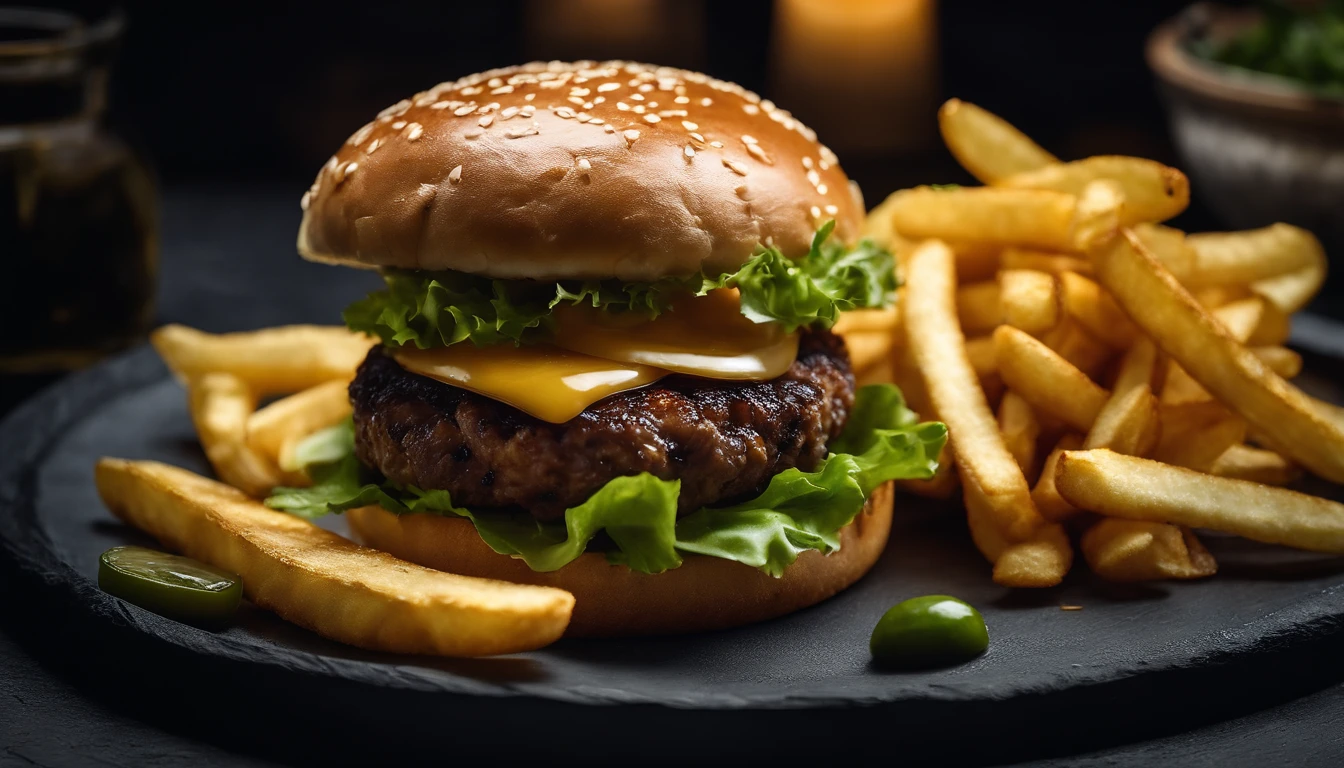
<point x="862" y="73"/>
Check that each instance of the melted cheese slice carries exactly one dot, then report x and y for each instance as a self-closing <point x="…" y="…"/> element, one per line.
<point x="552" y="384"/>
<point x="703" y="336"/>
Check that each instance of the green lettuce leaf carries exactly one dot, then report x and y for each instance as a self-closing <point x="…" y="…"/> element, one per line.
<point x="796" y="512"/>
<point x="432" y="309"/>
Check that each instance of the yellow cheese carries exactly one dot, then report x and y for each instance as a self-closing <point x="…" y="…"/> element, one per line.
<point x="703" y="336"/>
<point x="552" y="384"/>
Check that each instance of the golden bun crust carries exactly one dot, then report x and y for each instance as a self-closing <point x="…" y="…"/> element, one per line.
<point x="576" y="170"/>
<point x="705" y="593"/>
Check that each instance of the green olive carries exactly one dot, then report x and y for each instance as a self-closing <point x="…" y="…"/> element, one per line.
<point x="170" y="585"/>
<point x="929" y="631"/>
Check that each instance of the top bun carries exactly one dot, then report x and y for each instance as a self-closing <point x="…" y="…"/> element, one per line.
<point x="583" y="170"/>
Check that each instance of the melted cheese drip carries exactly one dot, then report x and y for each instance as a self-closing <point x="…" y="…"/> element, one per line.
<point x="552" y="384"/>
<point x="703" y="336"/>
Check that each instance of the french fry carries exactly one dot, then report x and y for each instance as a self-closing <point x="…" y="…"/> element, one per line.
<point x="1097" y="312"/>
<point x="980" y="351"/>
<point x="1194" y="435"/>
<point x="1223" y="258"/>
<point x="1128" y="423"/>
<point x="271" y="361"/>
<point x="1026" y="217"/>
<point x="987" y="145"/>
<point x="1281" y="360"/>
<point x="1242" y="462"/>
<point x="1051" y="505"/>
<point x="1168" y="245"/>
<point x="1138" y="368"/>
<point x="942" y="485"/>
<point x="998" y="500"/>
<point x="1049" y="382"/>
<point x="319" y="580"/>
<point x="1133" y="550"/>
<point x="275" y="430"/>
<point x="1071" y="341"/>
<point x="1043" y="261"/>
<point x="1179" y="388"/>
<point x="1029" y="300"/>
<point x="868" y="348"/>
<point x="1152" y="191"/>
<point x="1020" y="429"/>
<point x="1141" y="489"/>
<point x="1215" y="296"/>
<point x="1277" y="410"/>
<point x="220" y="405"/>
<point x="1254" y="321"/>
<point x="978" y="307"/>
<point x="1294" y="290"/>
<point x="975" y="261"/>
<point x="877" y="227"/>
<point x="866" y="320"/>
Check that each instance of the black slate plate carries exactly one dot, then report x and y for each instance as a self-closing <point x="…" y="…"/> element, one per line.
<point x="1135" y="662"/>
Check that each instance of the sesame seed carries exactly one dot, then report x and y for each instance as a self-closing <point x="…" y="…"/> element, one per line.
<point x="414" y="131"/>
<point x="600" y="100"/>
<point x="455" y="175"/>
<point x="807" y="163"/>
<point x="681" y="100"/>
<point x="579" y="91"/>
<point x="828" y="156"/>
<point x="705" y="102"/>
<point x="494" y="82"/>
<point x="575" y="100"/>
<point x="767" y="105"/>
<point x="816" y="212"/>
<point x="509" y="112"/>
<point x="305" y="200"/>
<point x="359" y="136"/>
<point x="470" y="91"/>
<point x="609" y="128"/>
<point x="518" y="133"/>
<point x="823" y="165"/>
<point x="564" y="112"/>
<point x="608" y="87"/>
<point x="636" y="97"/>
<point x="831" y="210"/>
<point x="751" y="109"/>
<point x="716" y="144"/>
<point x="463" y="111"/>
<point x="396" y="109"/>
<point x="485" y="122"/>
<point x="652" y="119"/>
<point x="440" y="105"/>
<point x="813" y="178"/>
<point x="822" y="189"/>
<point x="373" y="146"/>
<point x="529" y="97"/>
<point x="621" y="105"/>
<point x="584" y="165"/>
<point x="639" y="109"/>
<point x="645" y="88"/>
<point x="653" y="105"/>
<point x="689" y="151"/>
<point x="697" y="137"/>
<point x="748" y="139"/>
<point x="735" y="167"/>
<point x="502" y="89"/>
<point x="397" y="126"/>
<point x="474" y="133"/>
<point x="755" y="151"/>
<point x="630" y="135"/>
<point x="345" y="170"/>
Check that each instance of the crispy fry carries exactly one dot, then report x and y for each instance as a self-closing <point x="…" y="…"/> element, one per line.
<point x="1020" y="428"/>
<point x="1168" y="245"/>
<point x="1133" y="550"/>
<point x="1152" y="191"/>
<point x="1254" y="321"/>
<point x="1095" y="311"/>
<point x="1071" y="341"/>
<point x="1215" y="296"/>
<point x="220" y="405"/>
<point x="942" y="485"/>
<point x="1044" y="261"/>
<point x="1049" y="382"/>
<point x="1281" y="360"/>
<point x="867" y="349"/>
<point x="998" y="499"/>
<point x="1279" y="411"/>
<point x="1194" y="435"/>
<point x="980" y="351"/>
<point x="1294" y="290"/>
<point x="1028" y="217"/>
<point x="1141" y="489"/>
<point x="1138" y="368"/>
<point x="1029" y="300"/>
<point x="978" y="307"/>
<point x="975" y="261"/>
<point x="1051" y="505"/>
<point x="864" y="320"/>
<point x="1179" y="388"/>
<point x="274" y="430"/>
<point x="324" y="582"/>
<point x="1128" y="423"/>
<point x="1223" y="258"/>
<point x="271" y="361"/>
<point x="1242" y="462"/>
<point x="987" y="145"/>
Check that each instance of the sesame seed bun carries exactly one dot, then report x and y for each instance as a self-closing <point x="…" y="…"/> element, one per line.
<point x="704" y="593"/>
<point x="576" y="170"/>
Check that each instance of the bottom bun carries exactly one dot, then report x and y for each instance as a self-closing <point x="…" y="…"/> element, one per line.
<point x="704" y="593"/>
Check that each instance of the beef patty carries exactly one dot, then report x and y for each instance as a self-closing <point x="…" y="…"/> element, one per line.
<point x="724" y="440"/>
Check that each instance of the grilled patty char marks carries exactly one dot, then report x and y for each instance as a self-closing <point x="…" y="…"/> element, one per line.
<point x="724" y="440"/>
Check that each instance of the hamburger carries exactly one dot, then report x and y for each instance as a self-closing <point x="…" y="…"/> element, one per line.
<point x="605" y="360"/>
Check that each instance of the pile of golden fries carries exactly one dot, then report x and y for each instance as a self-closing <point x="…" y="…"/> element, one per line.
<point x="1101" y="374"/>
<point x="308" y="575"/>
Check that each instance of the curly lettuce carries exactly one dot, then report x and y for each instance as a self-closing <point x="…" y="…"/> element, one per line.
<point x="797" y="511"/>
<point x="434" y="309"/>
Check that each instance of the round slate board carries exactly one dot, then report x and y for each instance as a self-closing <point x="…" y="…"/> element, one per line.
<point x="1133" y="663"/>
